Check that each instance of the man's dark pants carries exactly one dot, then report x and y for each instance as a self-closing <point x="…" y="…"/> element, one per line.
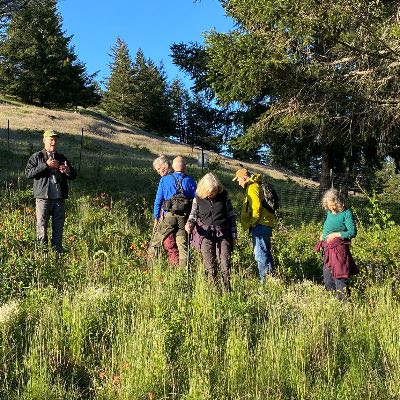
<point x="46" y="208"/>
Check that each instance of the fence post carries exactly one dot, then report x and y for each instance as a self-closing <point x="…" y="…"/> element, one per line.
<point x="8" y="134"/>
<point x="80" y="152"/>
<point x="202" y="160"/>
<point x="331" y="177"/>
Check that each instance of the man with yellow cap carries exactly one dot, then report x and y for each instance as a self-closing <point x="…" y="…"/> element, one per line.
<point x="257" y="219"/>
<point x="50" y="171"/>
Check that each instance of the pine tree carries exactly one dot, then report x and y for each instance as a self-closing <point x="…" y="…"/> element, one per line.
<point x="37" y="62"/>
<point x="151" y="103"/>
<point x="205" y="124"/>
<point x="119" y="95"/>
<point x="179" y="101"/>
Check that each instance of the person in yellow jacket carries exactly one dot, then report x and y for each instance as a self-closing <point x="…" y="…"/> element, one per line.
<point x="257" y="219"/>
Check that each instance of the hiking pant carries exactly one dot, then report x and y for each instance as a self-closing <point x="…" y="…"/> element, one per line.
<point x="170" y="246"/>
<point x="261" y="237"/>
<point x="213" y="251"/>
<point x="338" y="284"/>
<point x="46" y="208"/>
<point x="172" y="224"/>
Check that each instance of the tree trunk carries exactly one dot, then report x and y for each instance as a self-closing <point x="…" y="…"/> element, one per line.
<point x="325" y="179"/>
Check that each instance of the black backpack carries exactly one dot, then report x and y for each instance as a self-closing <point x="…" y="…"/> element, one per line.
<point x="178" y="203"/>
<point x="271" y="199"/>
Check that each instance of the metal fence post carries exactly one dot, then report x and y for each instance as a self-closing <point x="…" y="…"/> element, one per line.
<point x="80" y="152"/>
<point x="8" y="134"/>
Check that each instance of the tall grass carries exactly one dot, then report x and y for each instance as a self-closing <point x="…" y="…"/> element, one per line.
<point x="103" y="322"/>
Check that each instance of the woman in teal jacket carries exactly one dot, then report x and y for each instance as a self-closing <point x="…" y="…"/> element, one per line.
<point x="338" y="230"/>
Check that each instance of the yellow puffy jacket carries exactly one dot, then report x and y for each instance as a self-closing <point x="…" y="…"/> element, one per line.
<point x="253" y="212"/>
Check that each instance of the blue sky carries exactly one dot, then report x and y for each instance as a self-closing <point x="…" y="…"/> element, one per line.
<point x="152" y="25"/>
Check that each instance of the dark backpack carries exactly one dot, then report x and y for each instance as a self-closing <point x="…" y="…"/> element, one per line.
<point x="178" y="203"/>
<point x="271" y="199"/>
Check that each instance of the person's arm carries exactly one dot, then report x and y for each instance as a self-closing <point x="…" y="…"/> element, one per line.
<point x="193" y="211"/>
<point x="189" y="187"/>
<point x="158" y="200"/>
<point x="351" y="231"/>
<point x="35" y="166"/>
<point x="192" y="217"/>
<point x="255" y="204"/>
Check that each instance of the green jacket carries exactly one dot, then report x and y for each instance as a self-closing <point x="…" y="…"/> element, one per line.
<point x="253" y="213"/>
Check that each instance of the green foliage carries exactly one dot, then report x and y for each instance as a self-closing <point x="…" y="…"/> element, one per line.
<point x="38" y="63"/>
<point x="179" y="100"/>
<point x="151" y="103"/>
<point x="138" y="91"/>
<point x="310" y="70"/>
<point x="118" y="97"/>
<point x="389" y="179"/>
<point x="103" y="322"/>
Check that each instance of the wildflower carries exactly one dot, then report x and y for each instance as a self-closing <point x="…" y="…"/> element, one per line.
<point x="102" y="375"/>
<point x="116" y="379"/>
<point x="150" y="396"/>
<point x="8" y="311"/>
<point x="125" y="365"/>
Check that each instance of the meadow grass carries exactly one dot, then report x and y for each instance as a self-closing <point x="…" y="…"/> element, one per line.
<point x="104" y="322"/>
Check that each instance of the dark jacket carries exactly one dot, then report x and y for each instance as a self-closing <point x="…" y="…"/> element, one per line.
<point x="214" y="219"/>
<point x="38" y="170"/>
<point x="337" y="257"/>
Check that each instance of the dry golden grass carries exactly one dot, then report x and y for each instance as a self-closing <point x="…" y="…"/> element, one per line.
<point x="96" y="125"/>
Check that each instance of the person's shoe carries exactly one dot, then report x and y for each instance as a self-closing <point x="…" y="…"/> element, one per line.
<point x="59" y="250"/>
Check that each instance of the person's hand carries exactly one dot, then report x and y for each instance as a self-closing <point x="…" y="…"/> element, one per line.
<point x="332" y="236"/>
<point x="321" y="237"/>
<point x="189" y="227"/>
<point x="53" y="164"/>
<point x="155" y="225"/>
<point x="64" y="168"/>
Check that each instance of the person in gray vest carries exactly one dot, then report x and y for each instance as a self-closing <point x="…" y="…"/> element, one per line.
<point x="50" y="171"/>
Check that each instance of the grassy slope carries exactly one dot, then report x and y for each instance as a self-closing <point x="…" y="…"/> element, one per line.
<point x="102" y="323"/>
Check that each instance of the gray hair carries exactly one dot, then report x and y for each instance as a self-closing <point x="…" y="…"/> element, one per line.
<point x="160" y="160"/>
<point x="334" y="196"/>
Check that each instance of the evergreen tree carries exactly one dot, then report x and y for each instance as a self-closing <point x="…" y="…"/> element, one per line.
<point x="327" y="73"/>
<point x="150" y="101"/>
<point x="9" y="7"/>
<point x="37" y="62"/>
<point x="118" y="99"/>
<point x="205" y="124"/>
<point x="179" y="101"/>
<point x="315" y="77"/>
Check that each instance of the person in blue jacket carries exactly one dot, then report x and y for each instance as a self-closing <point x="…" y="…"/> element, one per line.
<point x="174" y="196"/>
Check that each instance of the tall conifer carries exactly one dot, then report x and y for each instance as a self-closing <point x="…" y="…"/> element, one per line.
<point x="151" y="101"/>
<point x="37" y="62"/>
<point x="119" y="95"/>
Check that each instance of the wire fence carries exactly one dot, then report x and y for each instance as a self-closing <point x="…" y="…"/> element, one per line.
<point x="367" y="194"/>
<point x="371" y="198"/>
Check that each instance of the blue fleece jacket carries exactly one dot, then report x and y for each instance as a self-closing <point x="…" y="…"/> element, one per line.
<point x="167" y="188"/>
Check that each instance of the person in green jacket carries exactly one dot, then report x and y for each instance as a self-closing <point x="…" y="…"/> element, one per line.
<point x="256" y="219"/>
<point x="339" y="226"/>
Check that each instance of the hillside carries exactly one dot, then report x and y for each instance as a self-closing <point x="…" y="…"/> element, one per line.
<point x="110" y="132"/>
<point x="105" y="322"/>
